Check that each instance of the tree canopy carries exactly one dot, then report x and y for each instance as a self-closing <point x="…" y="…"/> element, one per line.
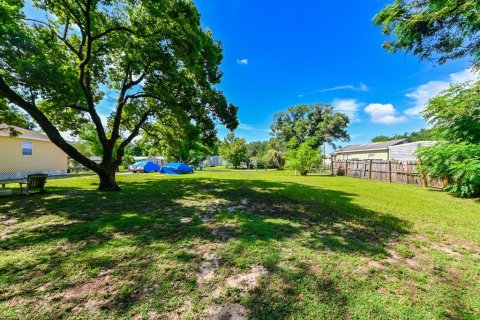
<point x="318" y="122"/>
<point x="143" y="59"/>
<point x="437" y="30"/>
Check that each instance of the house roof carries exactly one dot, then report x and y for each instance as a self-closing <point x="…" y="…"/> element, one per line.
<point x="371" y="146"/>
<point x="24" y="133"/>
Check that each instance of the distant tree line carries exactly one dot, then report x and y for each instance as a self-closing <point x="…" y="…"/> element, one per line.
<point x="421" y="135"/>
<point x="298" y="137"/>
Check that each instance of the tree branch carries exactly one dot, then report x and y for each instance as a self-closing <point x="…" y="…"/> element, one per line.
<point x="51" y="131"/>
<point x="144" y="95"/>
<point x="60" y="37"/>
<point x="123" y="99"/>
<point x="133" y="134"/>
<point x="106" y="32"/>
<point x="85" y="81"/>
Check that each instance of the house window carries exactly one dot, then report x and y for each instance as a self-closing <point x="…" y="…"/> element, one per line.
<point x="27" y="148"/>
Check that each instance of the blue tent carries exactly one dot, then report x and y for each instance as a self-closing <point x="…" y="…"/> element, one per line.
<point x="176" y="168"/>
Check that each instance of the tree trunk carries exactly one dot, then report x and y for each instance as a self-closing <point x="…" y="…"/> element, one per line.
<point x="107" y="180"/>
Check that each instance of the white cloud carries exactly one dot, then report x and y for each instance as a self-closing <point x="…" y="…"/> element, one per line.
<point x="243" y="126"/>
<point x="242" y="61"/>
<point x="349" y="107"/>
<point x="362" y="87"/>
<point x="252" y="128"/>
<point x="383" y="113"/>
<point x="429" y="90"/>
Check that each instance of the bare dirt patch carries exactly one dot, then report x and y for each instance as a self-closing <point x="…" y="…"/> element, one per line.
<point x="182" y="312"/>
<point x="247" y="281"/>
<point x="210" y="263"/>
<point x="445" y="248"/>
<point x="371" y="265"/>
<point x="227" y="311"/>
<point x="242" y="206"/>
<point x="92" y="295"/>
<point x="223" y="232"/>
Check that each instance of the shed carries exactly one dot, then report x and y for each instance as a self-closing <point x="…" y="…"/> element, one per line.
<point x="407" y="151"/>
<point x="215" y="161"/>
<point x="155" y="159"/>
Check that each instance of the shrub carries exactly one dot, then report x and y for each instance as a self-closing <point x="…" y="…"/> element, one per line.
<point x="458" y="163"/>
<point x="303" y="159"/>
<point x="275" y="159"/>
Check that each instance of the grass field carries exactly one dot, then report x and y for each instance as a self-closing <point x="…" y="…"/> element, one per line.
<point x="220" y="244"/>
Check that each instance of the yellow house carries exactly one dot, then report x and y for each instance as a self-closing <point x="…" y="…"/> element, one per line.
<point x="375" y="151"/>
<point x="29" y="152"/>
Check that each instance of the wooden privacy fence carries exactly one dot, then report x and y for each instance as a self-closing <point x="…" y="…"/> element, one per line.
<point x="385" y="170"/>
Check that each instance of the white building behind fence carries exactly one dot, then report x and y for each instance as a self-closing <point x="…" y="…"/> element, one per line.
<point x="407" y="151"/>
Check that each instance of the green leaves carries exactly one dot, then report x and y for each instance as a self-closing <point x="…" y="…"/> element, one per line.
<point x="234" y="150"/>
<point x="456" y="117"/>
<point x="456" y="113"/>
<point x="317" y="122"/>
<point x="10" y="115"/>
<point x="74" y="61"/>
<point x="458" y="163"/>
<point x="304" y="159"/>
<point x="442" y="31"/>
<point x="433" y="29"/>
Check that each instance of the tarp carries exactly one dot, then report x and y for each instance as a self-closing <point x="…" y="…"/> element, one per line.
<point x="147" y="166"/>
<point x="176" y="168"/>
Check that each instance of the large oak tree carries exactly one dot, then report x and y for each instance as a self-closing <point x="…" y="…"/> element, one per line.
<point x="318" y="123"/>
<point x="141" y="58"/>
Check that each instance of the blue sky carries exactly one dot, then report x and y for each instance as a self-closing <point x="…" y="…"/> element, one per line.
<point x="279" y="54"/>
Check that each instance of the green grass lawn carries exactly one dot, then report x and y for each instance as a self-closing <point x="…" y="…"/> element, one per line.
<point x="268" y="245"/>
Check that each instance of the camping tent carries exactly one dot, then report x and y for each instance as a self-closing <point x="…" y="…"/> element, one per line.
<point x="176" y="168"/>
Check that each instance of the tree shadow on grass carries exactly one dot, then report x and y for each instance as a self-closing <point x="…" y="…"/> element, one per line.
<point x="153" y="209"/>
<point x="150" y="213"/>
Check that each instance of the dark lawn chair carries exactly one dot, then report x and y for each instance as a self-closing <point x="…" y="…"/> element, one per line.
<point x="34" y="182"/>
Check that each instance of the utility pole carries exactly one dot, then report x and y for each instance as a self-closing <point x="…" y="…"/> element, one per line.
<point x="324" y="155"/>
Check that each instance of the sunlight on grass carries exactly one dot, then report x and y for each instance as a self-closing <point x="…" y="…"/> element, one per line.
<point x="171" y="247"/>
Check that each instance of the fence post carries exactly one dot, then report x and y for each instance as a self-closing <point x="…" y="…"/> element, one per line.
<point x="370" y="170"/>
<point x="331" y="164"/>
<point x="389" y="170"/>
<point x="346" y="168"/>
